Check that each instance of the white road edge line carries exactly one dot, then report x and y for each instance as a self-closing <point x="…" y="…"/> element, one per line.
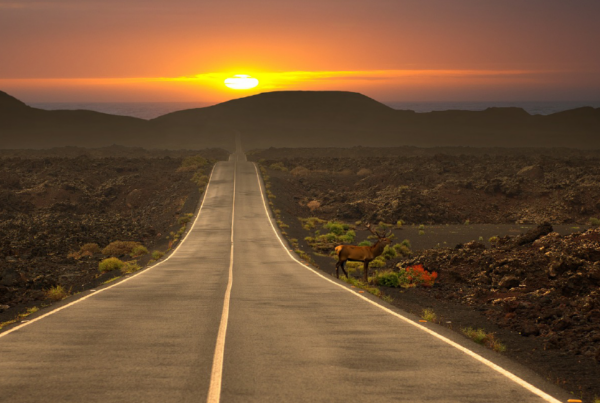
<point x="122" y="281"/>
<point x="216" y="376"/>
<point x="476" y="356"/>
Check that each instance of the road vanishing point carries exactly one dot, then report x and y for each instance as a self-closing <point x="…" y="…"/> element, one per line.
<point x="232" y="315"/>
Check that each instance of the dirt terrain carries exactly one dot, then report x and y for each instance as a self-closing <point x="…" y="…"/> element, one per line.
<point x="537" y="292"/>
<point x="438" y="186"/>
<point x="51" y="205"/>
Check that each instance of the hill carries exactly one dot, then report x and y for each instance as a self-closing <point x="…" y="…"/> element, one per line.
<point x="298" y="119"/>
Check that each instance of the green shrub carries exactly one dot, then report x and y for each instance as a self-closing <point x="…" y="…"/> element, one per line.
<point x="118" y="248"/>
<point x="365" y="243"/>
<point x="139" y="251"/>
<point x="389" y="253"/>
<point x="110" y="264"/>
<point x="186" y="218"/>
<point x="421" y="232"/>
<point x="157" y="254"/>
<point x="402" y="250"/>
<point x="193" y="163"/>
<point x="56" y="293"/>
<point x="278" y="166"/>
<point x="429" y="315"/>
<point x="130" y="267"/>
<point x="399" y="223"/>
<point x="335" y="228"/>
<point x="594" y="222"/>
<point x="493" y="239"/>
<point x="200" y="179"/>
<point x="387" y="278"/>
<point x="421" y="227"/>
<point x="378" y="262"/>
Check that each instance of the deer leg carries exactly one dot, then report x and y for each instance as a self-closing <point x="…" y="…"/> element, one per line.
<point x="343" y="266"/>
<point x="366" y="271"/>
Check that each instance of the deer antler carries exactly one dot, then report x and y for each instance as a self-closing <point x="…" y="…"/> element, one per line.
<point x="368" y="225"/>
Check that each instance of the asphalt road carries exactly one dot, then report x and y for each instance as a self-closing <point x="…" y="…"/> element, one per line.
<point x="287" y="333"/>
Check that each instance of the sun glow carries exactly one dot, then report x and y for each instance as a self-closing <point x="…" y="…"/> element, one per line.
<point x="241" y="82"/>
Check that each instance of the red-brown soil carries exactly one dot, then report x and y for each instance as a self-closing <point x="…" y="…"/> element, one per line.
<point x="539" y="293"/>
<point x="50" y="206"/>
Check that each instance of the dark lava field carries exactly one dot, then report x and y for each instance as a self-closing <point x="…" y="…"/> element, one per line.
<point x="53" y="202"/>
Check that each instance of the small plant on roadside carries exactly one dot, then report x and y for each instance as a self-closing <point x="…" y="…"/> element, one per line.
<point x="157" y="255"/>
<point x="118" y="248"/>
<point x="110" y="264"/>
<point x="28" y="312"/>
<point x="8" y="322"/>
<point x="387" y="299"/>
<point x="130" y="267"/>
<point x="139" y="251"/>
<point x="493" y="240"/>
<point x="56" y="293"/>
<point x="421" y="227"/>
<point x="429" y="315"/>
<point x="487" y="339"/>
<point x="186" y="218"/>
<point x="421" y="232"/>
<point x="200" y="180"/>
<point x="594" y="222"/>
<point x="467" y="222"/>
<point x="399" y="224"/>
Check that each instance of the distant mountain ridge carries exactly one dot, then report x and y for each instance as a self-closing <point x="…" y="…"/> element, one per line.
<point x="298" y="119"/>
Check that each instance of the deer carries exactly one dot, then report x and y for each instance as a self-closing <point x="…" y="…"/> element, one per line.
<point x="363" y="254"/>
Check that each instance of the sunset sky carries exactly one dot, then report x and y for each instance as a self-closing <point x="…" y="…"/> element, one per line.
<point x="391" y="50"/>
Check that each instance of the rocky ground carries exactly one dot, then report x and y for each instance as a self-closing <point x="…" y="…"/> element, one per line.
<point x="438" y="186"/>
<point x="538" y="292"/>
<point x="51" y="205"/>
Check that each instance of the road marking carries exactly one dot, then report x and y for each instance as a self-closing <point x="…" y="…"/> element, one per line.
<point x="216" y="376"/>
<point x="465" y="350"/>
<point x="96" y="292"/>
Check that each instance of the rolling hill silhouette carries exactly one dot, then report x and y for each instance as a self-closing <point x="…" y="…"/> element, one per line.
<point x="298" y="119"/>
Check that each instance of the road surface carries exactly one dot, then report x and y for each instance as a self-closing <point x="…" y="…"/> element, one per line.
<point x="230" y="316"/>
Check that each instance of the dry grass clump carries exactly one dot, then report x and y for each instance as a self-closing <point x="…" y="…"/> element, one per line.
<point x="118" y="248"/>
<point x="364" y="172"/>
<point x="89" y="249"/>
<point x="300" y="171"/>
<point x="110" y="264"/>
<point x="57" y="293"/>
<point x="313" y="205"/>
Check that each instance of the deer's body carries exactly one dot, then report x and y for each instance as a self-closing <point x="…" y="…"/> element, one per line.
<point x="363" y="254"/>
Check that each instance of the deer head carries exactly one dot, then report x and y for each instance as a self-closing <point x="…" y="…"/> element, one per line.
<point x="381" y="238"/>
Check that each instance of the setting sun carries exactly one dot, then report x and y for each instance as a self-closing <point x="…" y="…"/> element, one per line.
<point x="241" y="82"/>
